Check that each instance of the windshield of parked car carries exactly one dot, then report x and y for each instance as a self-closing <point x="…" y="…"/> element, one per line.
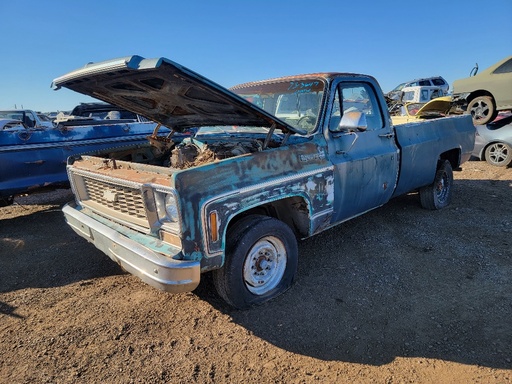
<point x="398" y="87"/>
<point x="296" y="102"/>
<point x="15" y="115"/>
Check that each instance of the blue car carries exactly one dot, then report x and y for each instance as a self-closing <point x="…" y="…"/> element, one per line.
<point x="34" y="158"/>
<point x="493" y="141"/>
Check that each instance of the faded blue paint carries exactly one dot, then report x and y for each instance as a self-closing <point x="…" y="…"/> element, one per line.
<point x="422" y="144"/>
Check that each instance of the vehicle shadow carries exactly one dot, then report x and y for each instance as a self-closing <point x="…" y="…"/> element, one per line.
<point x="39" y="250"/>
<point x="399" y="282"/>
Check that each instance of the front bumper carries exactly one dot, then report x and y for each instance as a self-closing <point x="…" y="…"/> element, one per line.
<point x="158" y="270"/>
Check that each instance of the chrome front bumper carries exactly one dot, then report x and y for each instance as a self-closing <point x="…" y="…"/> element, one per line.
<point x="158" y="270"/>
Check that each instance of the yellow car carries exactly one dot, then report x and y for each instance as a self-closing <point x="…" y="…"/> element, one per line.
<point x="416" y="112"/>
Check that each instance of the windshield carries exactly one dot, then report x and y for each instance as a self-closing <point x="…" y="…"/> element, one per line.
<point x="296" y="102"/>
<point x="15" y="115"/>
<point x="44" y="118"/>
<point x="398" y="87"/>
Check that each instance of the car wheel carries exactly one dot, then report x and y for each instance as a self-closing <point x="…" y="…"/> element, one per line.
<point x="498" y="154"/>
<point x="438" y="194"/>
<point x="260" y="264"/>
<point x="482" y="110"/>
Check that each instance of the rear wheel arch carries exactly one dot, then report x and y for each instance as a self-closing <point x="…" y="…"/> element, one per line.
<point x="438" y="195"/>
<point x="453" y="156"/>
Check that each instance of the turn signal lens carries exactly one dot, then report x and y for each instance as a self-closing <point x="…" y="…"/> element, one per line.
<point x="214" y="235"/>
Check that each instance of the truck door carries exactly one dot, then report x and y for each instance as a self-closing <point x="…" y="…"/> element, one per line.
<point x="365" y="159"/>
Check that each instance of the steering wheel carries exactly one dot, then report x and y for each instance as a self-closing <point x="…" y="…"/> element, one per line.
<point x="306" y="122"/>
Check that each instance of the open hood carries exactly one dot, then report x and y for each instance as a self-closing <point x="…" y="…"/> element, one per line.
<point x="167" y="93"/>
<point x="440" y="105"/>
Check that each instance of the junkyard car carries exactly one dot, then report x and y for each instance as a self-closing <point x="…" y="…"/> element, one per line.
<point x="7" y="124"/>
<point x="485" y="94"/>
<point x="34" y="157"/>
<point x="97" y="113"/>
<point x="235" y="198"/>
<point x="415" y="112"/>
<point x="493" y="142"/>
<point x="30" y="118"/>
<point x="435" y="81"/>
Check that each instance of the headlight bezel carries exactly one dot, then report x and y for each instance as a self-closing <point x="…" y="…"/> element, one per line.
<point x="167" y="208"/>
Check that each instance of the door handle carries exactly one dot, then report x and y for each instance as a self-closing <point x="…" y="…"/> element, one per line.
<point x="388" y="135"/>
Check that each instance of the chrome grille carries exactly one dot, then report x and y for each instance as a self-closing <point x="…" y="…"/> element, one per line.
<point x="124" y="200"/>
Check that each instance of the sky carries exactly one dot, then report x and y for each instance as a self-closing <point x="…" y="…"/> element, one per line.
<point x="232" y="42"/>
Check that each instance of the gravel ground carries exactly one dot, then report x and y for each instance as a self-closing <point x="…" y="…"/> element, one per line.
<point x="398" y="295"/>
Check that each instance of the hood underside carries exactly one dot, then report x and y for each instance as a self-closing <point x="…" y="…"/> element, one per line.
<point x="167" y="93"/>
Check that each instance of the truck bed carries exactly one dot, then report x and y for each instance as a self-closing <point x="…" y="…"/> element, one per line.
<point x="421" y="143"/>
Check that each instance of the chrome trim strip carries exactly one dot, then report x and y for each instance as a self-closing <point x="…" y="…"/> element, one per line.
<point x="75" y="143"/>
<point x="106" y="179"/>
<point x="317" y="215"/>
<point x="286" y="179"/>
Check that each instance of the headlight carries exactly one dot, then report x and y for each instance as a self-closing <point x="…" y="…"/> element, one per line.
<point x="166" y="206"/>
<point x="171" y="208"/>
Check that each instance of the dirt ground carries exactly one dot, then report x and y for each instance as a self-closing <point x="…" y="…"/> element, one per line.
<point x="399" y="295"/>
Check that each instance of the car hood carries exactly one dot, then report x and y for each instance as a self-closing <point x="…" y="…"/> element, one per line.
<point x="167" y="93"/>
<point x="440" y="105"/>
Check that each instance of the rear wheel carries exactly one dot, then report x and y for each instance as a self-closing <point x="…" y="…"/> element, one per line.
<point x="498" y="154"/>
<point x="261" y="262"/>
<point x="482" y="110"/>
<point x="438" y="194"/>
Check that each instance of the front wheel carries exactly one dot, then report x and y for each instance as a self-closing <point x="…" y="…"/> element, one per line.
<point x="482" y="110"/>
<point x="438" y="194"/>
<point x="498" y="154"/>
<point x="261" y="262"/>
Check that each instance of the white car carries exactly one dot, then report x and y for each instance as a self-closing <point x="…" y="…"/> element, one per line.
<point x="435" y="81"/>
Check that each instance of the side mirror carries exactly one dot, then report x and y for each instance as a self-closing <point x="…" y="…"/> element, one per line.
<point x="352" y="121"/>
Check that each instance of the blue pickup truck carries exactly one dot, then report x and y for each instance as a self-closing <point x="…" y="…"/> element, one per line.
<point x="272" y="162"/>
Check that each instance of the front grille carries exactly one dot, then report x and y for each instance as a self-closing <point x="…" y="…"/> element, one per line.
<point x="121" y="199"/>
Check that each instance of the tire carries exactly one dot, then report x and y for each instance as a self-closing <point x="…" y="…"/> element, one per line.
<point x="482" y="110"/>
<point x="438" y="195"/>
<point x="261" y="262"/>
<point x="498" y="154"/>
